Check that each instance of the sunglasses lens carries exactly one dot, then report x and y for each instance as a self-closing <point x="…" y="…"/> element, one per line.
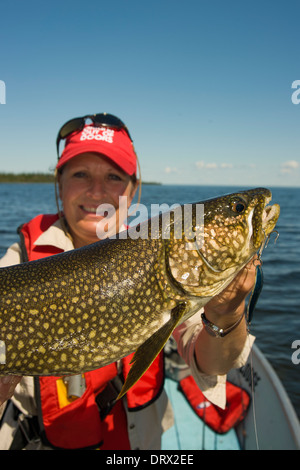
<point x="110" y="120"/>
<point x="71" y="126"/>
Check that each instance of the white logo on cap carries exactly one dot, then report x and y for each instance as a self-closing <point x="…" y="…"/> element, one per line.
<point x="97" y="133"/>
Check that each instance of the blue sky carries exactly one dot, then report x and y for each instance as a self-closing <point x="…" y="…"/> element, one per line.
<point x="204" y="86"/>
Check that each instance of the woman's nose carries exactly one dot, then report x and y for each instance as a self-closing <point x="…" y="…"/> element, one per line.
<point x="96" y="188"/>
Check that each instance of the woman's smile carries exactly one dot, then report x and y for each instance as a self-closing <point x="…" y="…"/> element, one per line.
<point x="89" y="209"/>
<point x="88" y="181"/>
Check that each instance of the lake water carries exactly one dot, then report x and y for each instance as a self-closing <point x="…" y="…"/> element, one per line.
<point x="276" y="322"/>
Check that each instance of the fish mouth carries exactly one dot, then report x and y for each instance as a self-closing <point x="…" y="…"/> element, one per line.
<point x="264" y="221"/>
<point x="269" y="218"/>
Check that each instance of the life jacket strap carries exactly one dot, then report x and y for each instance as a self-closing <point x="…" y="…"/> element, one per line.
<point x="108" y="397"/>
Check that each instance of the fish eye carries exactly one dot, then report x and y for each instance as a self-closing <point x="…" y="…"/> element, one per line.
<point x="238" y="206"/>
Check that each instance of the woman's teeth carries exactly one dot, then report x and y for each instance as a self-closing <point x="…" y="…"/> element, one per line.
<point x="93" y="210"/>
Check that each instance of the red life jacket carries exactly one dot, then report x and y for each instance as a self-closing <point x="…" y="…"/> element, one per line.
<point x="77" y="424"/>
<point x="219" y="420"/>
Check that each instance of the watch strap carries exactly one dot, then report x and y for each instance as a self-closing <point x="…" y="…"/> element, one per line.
<point x="217" y="332"/>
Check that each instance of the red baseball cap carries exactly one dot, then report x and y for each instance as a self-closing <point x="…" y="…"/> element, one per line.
<point x="113" y="143"/>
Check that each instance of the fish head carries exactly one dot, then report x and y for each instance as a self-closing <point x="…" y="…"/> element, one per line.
<point x="232" y="230"/>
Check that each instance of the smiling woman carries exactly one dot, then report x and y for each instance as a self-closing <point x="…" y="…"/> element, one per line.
<point x="97" y="166"/>
<point x="87" y="181"/>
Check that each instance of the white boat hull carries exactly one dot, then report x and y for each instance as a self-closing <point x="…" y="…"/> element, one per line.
<point x="271" y="421"/>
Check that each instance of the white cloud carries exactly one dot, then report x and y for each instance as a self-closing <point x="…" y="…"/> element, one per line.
<point x="226" y="165"/>
<point x="169" y="170"/>
<point x="289" y="166"/>
<point x="200" y="164"/>
<point x="212" y="165"/>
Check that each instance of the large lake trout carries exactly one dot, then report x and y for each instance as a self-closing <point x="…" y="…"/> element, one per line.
<point x="83" y="309"/>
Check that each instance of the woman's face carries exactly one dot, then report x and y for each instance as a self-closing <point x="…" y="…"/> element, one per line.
<point x="87" y="181"/>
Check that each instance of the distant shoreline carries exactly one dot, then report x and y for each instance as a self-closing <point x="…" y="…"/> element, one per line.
<point x="37" y="178"/>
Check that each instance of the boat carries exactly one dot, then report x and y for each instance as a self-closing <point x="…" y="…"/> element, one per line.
<point x="271" y="422"/>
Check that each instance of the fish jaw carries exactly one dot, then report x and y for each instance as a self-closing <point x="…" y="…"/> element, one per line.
<point x="264" y="220"/>
<point x="231" y="239"/>
<point x="270" y="218"/>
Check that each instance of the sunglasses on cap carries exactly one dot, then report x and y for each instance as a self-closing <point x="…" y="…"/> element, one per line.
<point x="99" y="120"/>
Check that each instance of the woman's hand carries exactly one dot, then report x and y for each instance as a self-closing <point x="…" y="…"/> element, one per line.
<point x="216" y="356"/>
<point x="8" y="384"/>
<point x="232" y="299"/>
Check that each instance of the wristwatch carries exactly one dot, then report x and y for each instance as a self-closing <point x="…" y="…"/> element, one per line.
<point x="217" y="332"/>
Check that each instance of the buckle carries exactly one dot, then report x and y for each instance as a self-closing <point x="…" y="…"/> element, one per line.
<point x="108" y="397"/>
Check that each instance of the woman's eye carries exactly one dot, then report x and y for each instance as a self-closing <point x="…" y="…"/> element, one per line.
<point x="115" y="177"/>
<point x="79" y="174"/>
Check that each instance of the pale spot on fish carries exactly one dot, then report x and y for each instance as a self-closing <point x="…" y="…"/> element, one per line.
<point x="185" y="276"/>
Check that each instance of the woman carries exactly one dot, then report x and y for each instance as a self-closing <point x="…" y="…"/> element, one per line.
<point x="97" y="166"/>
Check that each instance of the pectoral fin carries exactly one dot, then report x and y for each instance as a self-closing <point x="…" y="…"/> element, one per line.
<point x="147" y="352"/>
